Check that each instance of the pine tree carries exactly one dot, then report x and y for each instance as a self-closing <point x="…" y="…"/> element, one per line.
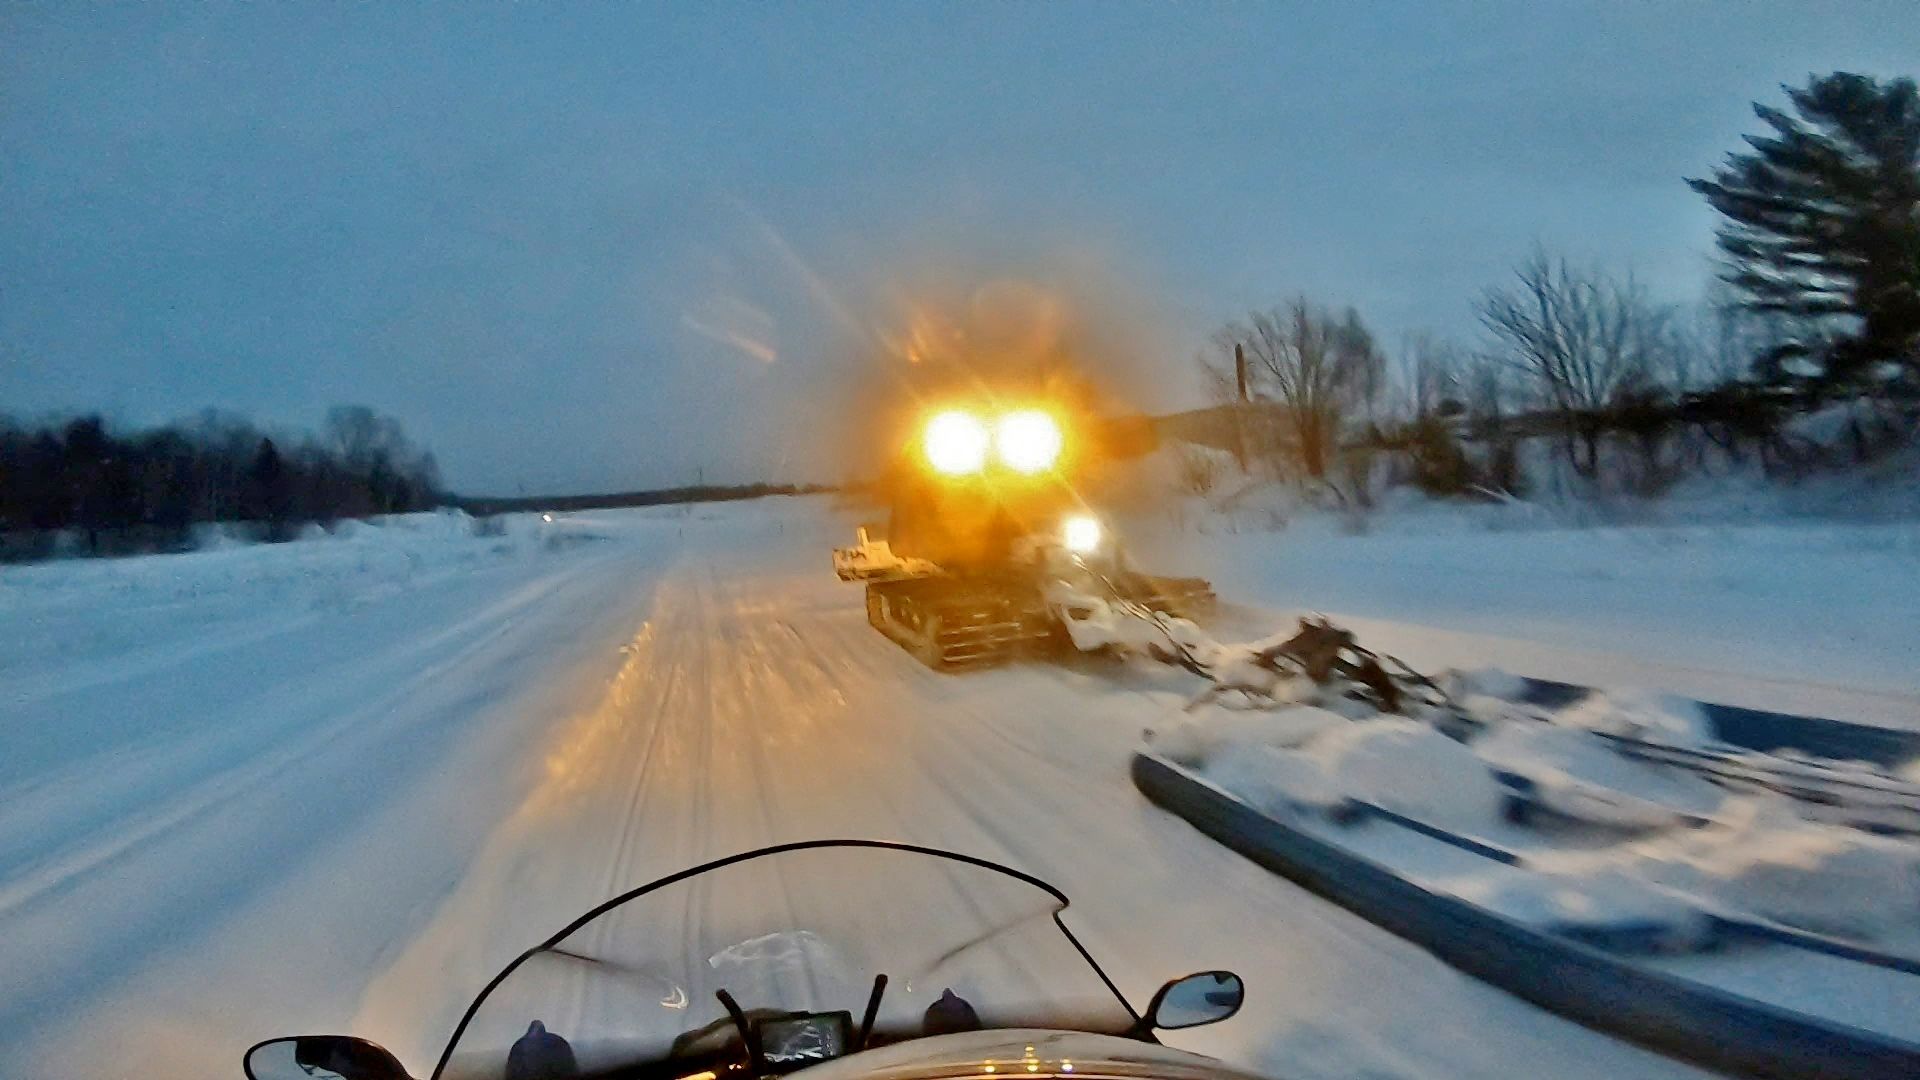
<point x="88" y="451"/>
<point x="270" y="491"/>
<point x="1823" y="222"/>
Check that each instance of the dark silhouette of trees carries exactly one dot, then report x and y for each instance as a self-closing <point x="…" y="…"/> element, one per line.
<point x="1823" y="225"/>
<point x="373" y="447"/>
<point x="1584" y="341"/>
<point x="1321" y="367"/>
<point x="269" y="497"/>
<point x="115" y="492"/>
<point x="87" y="454"/>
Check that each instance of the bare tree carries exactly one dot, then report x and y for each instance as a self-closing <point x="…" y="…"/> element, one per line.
<point x="1582" y="339"/>
<point x="1429" y="379"/>
<point x="1488" y="384"/>
<point x="1320" y="366"/>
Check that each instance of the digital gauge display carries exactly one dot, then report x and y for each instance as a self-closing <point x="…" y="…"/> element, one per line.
<point x="804" y="1038"/>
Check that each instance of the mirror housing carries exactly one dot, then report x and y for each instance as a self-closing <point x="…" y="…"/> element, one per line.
<point x="1204" y="997"/>
<point x="321" y="1057"/>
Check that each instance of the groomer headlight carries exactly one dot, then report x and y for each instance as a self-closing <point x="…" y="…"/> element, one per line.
<point x="1027" y="441"/>
<point x="1081" y="534"/>
<point x="956" y="443"/>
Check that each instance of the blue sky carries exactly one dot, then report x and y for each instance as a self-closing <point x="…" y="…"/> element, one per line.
<point x="584" y="246"/>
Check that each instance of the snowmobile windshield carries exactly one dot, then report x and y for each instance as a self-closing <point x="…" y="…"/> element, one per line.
<point x="795" y="936"/>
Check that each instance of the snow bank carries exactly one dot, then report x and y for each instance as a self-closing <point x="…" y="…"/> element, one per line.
<point x="155" y="605"/>
<point x="1485" y="682"/>
<point x="1308" y="757"/>
<point x="356" y="555"/>
<point x="1408" y="767"/>
<point x="1758" y="860"/>
<point x="1274" y="781"/>
<point x="1205" y="491"/>
<point x="1721" y="607"/>
<point x="1193" y="739"/>
<point x="1596" y="892"/>
<point x="1661" y="718"/>
<point x="1577" y="774"/>
<point x="1699" y="850"/>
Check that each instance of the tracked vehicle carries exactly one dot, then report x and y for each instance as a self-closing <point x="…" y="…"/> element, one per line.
<point x="989" y="514"/>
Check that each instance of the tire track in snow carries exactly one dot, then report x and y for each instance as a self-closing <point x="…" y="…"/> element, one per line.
<point x="764" y="710"/>
<point x="115" y="906"/>
<point x="955" y="761"/>
<point x="28" y="881"/>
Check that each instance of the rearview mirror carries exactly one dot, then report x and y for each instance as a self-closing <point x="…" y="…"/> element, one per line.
<point x="321" y="1057"/>
<point x="1205" y="997"/>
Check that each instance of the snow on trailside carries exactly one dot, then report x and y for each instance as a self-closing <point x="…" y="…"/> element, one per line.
<point x="334" y="784"/>
<point x="1791" y="614"/>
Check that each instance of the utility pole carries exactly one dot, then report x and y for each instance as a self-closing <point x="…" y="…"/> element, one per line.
<point x="1239" y="406"/>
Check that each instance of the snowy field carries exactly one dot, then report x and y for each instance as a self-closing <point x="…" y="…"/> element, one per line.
<point x="1813" y="617"/>
<point x="335" y="784"/>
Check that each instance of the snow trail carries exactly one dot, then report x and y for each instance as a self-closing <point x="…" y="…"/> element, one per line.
<point x="757" y="707"/>
<point x="695" y="686"/>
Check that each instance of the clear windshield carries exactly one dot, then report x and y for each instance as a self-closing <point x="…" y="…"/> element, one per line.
<point x="796" y="930"/>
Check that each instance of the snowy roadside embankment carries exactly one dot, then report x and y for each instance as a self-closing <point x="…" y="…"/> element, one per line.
<point x="96" y="618"/>
<point x="1800" y="616"/>
<point x="1583" y="819"/>
<point x="353" y="555"/>
<point x="1621" y="828"/>
<point x="1631" y="840"/>
<point x="1657" y="818"/>
<point x="1757" y="859"/>
<point x="248" y="768"/>
<point x="1731" y="587"/>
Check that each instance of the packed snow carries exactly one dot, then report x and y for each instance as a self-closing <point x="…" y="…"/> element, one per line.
<point x="1402" y="765"/>
<point x="1756" y="858"/>
<point x="1703" y="848"/>
<point x="1581" y="777"/>
<point x="1801" y="614"/>
<point x="1639" y="837"/>
<point x="334" y="784"/>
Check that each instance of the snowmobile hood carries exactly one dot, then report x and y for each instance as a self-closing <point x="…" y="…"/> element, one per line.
<point x="798" y="928"/>
<point x="1017" y="1054"/>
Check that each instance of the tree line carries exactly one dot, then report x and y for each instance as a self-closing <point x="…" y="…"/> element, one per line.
<point x="1816" y="310"/>
<point x="692" y="493"/>
<point x="82" y="485"/>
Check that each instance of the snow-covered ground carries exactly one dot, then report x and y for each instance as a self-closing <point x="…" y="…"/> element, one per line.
<point x="1809" y="616"/>
<point x="1632" y="844"/>
<point x="333" y="785"/>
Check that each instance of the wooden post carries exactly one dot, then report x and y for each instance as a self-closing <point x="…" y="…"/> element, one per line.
<point x="1240" y="406"/>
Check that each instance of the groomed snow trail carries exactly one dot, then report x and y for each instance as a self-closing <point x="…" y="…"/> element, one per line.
<point x="368" y="868"/>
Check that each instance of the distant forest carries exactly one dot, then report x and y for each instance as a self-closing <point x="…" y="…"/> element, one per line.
<point x="78" y="486"/>
<point x="695" y="493"/>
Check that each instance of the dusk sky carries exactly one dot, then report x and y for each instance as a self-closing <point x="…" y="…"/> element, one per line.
<point x="582" y="247"/>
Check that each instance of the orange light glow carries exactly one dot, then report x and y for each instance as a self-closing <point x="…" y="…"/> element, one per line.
<point x="1028" y="441"/>
<point x="956" y="443"/>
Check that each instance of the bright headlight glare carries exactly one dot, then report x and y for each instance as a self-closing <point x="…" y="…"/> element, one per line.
<point x="1027" y="441"/>
<point x="1081" y="534"/>
<point x="956" y="443"/>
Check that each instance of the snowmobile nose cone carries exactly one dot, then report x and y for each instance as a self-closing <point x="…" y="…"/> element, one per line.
<point x="541" y="1055"/>
<point x="951" y="1014"/>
